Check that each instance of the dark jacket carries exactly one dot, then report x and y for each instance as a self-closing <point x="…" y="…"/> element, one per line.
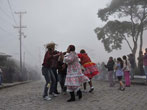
<point x="47" y="62"/>
<point x="110" y="65"/>
<point x="61" y="70"/>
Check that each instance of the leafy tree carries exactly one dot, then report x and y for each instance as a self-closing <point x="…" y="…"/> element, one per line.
<point x="129" y="25"/>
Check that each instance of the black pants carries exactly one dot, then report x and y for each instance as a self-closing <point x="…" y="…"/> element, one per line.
<point x="62" y="81"/>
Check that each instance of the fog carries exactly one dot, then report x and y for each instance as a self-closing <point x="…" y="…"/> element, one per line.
<point x="64" y="22"/>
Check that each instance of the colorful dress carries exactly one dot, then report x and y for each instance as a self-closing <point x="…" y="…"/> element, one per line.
<point x="74" y="77"/>
<point x="90" y="68"/>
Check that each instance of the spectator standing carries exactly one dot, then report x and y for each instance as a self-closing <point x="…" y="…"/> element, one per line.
<point x="140" y="63"/>
<point x="131" y="59"/>
<point x="145" y="63"/>
<point x="110" y="67"/>
<point x="0" y="76"/>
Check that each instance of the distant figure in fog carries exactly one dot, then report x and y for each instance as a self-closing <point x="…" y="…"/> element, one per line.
<point x="119" y="73"/>
<point x="126" y="69"/>
<point x="131" y="59"/>
<point x="110" y="67"/>
<point x="145" y="63"/>
<point x="90" y="68"/>
<point x="0" y="76"/>
<point x="140" y="63"/>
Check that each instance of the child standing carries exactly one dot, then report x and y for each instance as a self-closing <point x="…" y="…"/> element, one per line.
<point x="119" y="73"/>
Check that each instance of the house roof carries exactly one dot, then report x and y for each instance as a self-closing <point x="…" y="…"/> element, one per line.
<point x="4" y="55"/>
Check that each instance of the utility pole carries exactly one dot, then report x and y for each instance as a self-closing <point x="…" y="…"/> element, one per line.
<point x="24" y="60"/>
<point x="20" y="27"/>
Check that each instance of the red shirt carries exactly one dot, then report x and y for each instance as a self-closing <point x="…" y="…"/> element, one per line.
<point x="47" y="62"/>
<point x="84" y="58"/>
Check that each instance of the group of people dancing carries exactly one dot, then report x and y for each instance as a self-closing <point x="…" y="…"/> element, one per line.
<point x="123" y="67"/>
<point x="71" y="69"/>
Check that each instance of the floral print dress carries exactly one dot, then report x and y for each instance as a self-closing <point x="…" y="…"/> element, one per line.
<point x="74" y="77"/>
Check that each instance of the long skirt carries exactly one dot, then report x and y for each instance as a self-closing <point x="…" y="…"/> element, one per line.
<point x="73" y="82"/>
<point x="127" y="78"/>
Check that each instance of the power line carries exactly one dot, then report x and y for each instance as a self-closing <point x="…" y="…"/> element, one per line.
<point x="5" y="20"/>
<point x="5" y="12"/>
<point x="12" y="12"/>
<point x="4" y="30"/>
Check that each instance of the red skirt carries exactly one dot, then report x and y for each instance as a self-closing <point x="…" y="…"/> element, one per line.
<point x="91" y="69"/>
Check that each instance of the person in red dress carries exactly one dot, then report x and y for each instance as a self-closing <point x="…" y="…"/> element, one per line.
<point x="90" y="68"/>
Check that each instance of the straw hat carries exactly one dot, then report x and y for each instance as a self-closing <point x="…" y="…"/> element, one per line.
<point x="51" y="45"/>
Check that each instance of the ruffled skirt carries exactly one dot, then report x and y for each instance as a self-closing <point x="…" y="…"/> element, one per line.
<point x="90" y="69"/>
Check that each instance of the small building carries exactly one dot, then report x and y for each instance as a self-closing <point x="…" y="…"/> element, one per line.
<point x="3" y="58"/>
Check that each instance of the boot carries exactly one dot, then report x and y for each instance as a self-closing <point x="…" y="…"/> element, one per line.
<point x="72" y="94"/>
<point x="79" y="93"/>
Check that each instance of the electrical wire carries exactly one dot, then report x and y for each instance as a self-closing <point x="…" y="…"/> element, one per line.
<point x="9" y="17"/>
<point x="5" y="20"/>
<point x="5" y="12"/>
<point x="11" y="12"/>
<point x="4" y="30"/>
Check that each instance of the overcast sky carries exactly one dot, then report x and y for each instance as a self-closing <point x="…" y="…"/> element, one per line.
<point x="64" y="22"/>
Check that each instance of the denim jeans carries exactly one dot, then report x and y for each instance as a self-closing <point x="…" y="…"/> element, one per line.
<point x="145" y="70"/>
<point x="49" y="78"/>
<point x="56" y="78"/>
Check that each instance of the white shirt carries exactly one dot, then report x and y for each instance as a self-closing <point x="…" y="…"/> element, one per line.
<point x="126" y="67"/>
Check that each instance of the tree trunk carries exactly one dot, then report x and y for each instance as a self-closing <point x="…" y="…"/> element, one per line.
<point x="141" y="38"/>
<point x="134" y="52"/>
<point x="140" y="57"/>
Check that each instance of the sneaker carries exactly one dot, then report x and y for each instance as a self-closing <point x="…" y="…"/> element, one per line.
<point x="47" y="98"/>
<point x="54" y="94"/>
<point x="91" y="89"/>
